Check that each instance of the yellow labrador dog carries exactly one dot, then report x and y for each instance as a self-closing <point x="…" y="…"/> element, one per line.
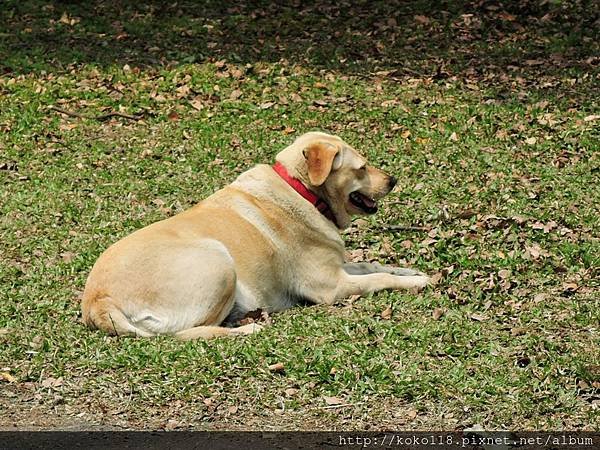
<point x="269" y="240"/>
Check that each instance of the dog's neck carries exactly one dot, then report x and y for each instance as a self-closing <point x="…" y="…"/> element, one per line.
<point x="306" y="193"/>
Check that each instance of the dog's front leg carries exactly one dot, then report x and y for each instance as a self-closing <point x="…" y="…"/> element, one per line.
<point x="372" y="282"/>
<point x="364" y="268"/>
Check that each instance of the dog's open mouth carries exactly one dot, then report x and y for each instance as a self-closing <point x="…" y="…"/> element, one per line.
<point x="363" y="202"/>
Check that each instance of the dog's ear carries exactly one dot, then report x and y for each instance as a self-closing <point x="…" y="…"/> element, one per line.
<point x="321" y="158"/>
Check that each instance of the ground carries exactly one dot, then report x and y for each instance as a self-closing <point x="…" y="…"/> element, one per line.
<point x="114" y="116"/>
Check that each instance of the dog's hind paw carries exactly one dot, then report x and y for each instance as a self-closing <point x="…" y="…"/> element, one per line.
<point x="249" y="328"/>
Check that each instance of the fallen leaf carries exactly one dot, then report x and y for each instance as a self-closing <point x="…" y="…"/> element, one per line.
<point x="235" y="94"/>
<point x="534" y="251"/>
<point x="5" y="376"/>
<point x="454" y="136"/>
<point x="333" y="401"/>
<point x="172" y="425"/>
<point x="423" y="20"/>
<point x="232" y="409"/>
<point x="277" y="368"/>
<point x="569" y="288"/>
<point x="353" y="298"/>
<point x="518" y="331"/>
<point x="534" y="62"/>
<point x="435" y="278"/>
<point x="387" y="313"/>
<point x="291" y="392"/>
<point x="437" y="313"/>
<point x="507" y="16"/>
<point x="412" y="414"/>
<point x="405" y="134"/>
<point x="591" y="118"/>
<point x="173" y="116"/>
<point x="52" y="382"/>
<point x="266" y="105"/>
<point x="406" y="244"/>
<point x="197" y="104"/>
<point x="67" y="257"/>
<point x="479" y="317"/>
<point x="504" y="274"/>
<point x="531" y="140"/>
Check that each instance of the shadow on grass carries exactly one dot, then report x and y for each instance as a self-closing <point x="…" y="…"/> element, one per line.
<point x="419" y="35"/>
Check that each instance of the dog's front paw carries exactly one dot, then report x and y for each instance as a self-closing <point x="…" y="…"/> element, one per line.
<point x="404" y="272"/>
<point x="421" y="281"/>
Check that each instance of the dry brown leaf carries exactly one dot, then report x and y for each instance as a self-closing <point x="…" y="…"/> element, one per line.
<point x="277" y="368"/>
<point x="51" y="382"/>
<point x="437" y="313"/>
<point x="235" y="94"/>
<point x="435" y="278"/>
<point x="387" y="313"/>
<point x="197" y="104"/>
<point x="67" y="257"/>
<point x="406" y="244"/>
<point x="266" y="105"/>
<point x="518" y="331"/>
<point x="504" y="274"/>
<point x="479" y="317"/>
<point x="331" y="401"/>
<point x="353" y="298"/>
<point x="5" y="376"/>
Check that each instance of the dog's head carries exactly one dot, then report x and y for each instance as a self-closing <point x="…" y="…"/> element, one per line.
<point x="337" y="173"/>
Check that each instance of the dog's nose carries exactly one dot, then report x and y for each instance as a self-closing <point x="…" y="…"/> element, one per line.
<point x="392" y="182"/>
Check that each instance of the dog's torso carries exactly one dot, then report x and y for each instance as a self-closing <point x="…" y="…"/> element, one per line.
<point x="282" y="249"/>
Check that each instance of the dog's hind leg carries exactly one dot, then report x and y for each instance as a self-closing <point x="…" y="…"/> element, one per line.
<point x="208" y="332"/>
<point x="104" y="314"/>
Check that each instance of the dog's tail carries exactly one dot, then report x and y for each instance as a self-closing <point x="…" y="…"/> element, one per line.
<point x="103" y="313"/>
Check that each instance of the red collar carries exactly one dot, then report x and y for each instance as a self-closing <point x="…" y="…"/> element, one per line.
<point x="313" y="198"/>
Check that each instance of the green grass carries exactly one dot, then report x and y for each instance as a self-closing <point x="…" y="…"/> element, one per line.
<point x="498" y="166"/>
